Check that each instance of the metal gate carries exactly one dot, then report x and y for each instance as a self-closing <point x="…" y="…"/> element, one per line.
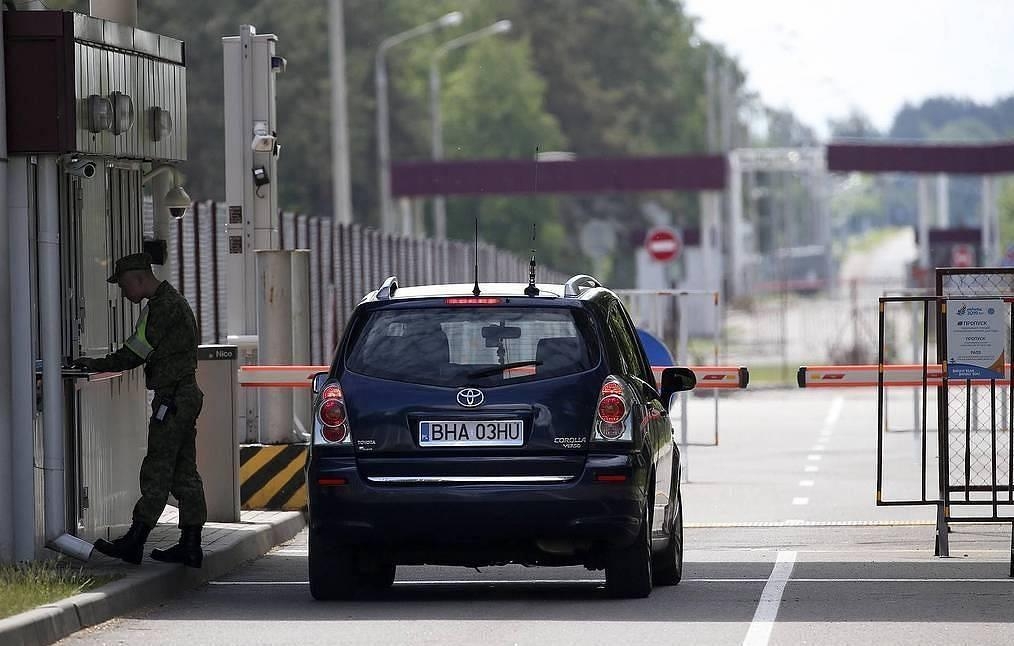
<point x="969" y="476"/>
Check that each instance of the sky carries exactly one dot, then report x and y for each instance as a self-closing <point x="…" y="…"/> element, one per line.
<point x="822" y="58"/>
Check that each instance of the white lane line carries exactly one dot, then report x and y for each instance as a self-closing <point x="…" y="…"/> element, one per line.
<point x="818" y="447"/>
<point x="806" y="483"/>
<point x="832" y="415"/>
<point x="813" y="457"/>
<point x="799" y="500"/>
<point x="811" y="468"/>
<point x="767" y="608"/>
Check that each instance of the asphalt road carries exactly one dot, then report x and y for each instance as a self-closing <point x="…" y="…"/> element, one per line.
<point x="785" y="546"/>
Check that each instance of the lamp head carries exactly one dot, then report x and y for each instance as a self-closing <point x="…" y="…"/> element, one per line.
<point x="451" y="19"/>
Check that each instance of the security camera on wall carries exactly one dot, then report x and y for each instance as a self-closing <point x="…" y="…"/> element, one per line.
<point x="263" y="138"/>
<point x="177" y="201"/>
<point x="81" y="168"/>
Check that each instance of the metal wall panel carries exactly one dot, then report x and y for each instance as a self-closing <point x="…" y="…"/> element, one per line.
<point x="150" y="83"/>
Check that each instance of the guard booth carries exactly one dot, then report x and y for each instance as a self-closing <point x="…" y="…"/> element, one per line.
<point x="966" y="467"/>
<point x="96" y="122"/>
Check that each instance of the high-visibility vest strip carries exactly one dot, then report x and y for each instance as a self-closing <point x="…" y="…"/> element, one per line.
<point x="708" y="377"/>
<point x="910" y="375"/>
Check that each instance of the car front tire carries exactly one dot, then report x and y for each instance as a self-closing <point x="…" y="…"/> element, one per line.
<point x="667" y="568"/>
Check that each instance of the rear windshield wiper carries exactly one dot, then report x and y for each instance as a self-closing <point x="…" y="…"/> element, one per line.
<point x="485" y="372"/>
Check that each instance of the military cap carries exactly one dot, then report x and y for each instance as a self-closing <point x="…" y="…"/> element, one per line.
<point x="130" y="263"/>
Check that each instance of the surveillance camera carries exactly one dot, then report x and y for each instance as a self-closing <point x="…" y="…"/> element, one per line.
<point x="177" y="201"/>
<point x="81" y="168"/>
<point x="263" y="143"/>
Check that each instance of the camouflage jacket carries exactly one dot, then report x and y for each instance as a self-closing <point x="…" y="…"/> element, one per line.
<point x="164" y="340"/>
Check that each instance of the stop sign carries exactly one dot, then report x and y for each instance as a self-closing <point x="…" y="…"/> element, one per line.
<point x="663" y="244"/>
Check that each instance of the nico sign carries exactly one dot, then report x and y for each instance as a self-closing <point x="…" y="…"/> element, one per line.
<point x="663" y="244"/>
<point x="976" y="335"/>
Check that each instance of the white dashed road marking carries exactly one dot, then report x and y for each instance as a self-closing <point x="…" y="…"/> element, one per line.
<point x="767" y="610"/>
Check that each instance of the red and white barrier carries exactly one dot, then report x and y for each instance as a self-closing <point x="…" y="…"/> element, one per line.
<point x="713" y="377"/>
<point x="708" y="377"/>
<point x="865" y="376"/>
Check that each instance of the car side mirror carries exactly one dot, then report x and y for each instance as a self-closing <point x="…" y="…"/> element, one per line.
<point x="319" y="379"/>
<point x="676" y="380"/>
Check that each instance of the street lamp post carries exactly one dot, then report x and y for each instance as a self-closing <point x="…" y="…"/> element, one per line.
<point x="439" y="203"/>
<point x="383" y="135"/>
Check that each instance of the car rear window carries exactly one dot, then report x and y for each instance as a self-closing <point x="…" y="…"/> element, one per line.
<point x="482" y="346"/>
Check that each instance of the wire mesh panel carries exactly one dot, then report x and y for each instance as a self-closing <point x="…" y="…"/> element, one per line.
<point x="979" y="453"/>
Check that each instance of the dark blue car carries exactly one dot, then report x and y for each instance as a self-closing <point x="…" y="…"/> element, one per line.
<point x="457" y="428"/>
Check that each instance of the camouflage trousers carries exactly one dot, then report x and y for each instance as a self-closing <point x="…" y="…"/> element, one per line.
<point x="170" y="465"/>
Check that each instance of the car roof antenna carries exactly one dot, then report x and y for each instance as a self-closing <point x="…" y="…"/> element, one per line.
<point x="532" y="290"/>
<point x="475" y="288"/>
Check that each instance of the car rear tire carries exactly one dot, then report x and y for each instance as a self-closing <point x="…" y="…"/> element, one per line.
<point x="667" y="568"/>
<point x="628" y="570"/>
<point x="338" y="573"/>
<point x="328" y="570"/>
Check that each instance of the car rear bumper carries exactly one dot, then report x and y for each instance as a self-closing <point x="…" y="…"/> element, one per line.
<point x="432" y="516"/>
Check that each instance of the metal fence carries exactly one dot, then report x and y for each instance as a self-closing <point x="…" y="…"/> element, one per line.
<point x="343" y="267"/>
<point x="967" y="469"/>
<point x="788" y="328"/>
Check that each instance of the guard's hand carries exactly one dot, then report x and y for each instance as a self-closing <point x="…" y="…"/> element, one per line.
<point x="85" y="363"/>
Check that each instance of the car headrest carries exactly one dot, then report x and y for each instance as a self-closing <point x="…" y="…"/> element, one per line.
<point x="558" y="354"/>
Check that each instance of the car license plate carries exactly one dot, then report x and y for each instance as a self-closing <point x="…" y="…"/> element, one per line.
<point x="472" y="433"/>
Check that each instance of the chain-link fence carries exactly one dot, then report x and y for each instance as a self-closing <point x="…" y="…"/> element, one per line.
<point x="979" y="451"/>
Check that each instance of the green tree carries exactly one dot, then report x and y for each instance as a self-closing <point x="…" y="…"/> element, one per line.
<point x="493" y="108"/>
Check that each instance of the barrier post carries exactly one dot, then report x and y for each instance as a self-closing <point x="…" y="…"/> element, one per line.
<point x="217" y="441"/>
<point x="301" y="336"/>
<point x="274" y="341"/>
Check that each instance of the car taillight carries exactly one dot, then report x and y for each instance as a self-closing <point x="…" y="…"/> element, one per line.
<point x="612" y="409"/>
<point x="612" y="413"/>
<point x="331" y="414"/>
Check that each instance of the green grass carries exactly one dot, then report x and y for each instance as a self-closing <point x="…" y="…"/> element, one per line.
<point x="24" y="586"/>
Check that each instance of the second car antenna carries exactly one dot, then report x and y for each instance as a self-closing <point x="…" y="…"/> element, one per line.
<point x="532" y="290"/>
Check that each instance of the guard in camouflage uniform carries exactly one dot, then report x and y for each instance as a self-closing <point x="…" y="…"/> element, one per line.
<point x="165" y="341"/>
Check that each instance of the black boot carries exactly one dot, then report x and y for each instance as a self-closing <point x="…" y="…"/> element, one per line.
<point x="129" y="547"/>
<point x="187" y="551"/>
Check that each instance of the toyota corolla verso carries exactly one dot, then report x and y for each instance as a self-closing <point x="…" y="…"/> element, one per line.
<point x="480" y="425"/>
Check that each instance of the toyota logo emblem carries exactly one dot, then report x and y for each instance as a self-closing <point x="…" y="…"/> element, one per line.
<point x="470" y="397"/>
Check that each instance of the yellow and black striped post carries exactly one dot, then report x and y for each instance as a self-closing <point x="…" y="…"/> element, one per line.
<point x="271" y="476"/>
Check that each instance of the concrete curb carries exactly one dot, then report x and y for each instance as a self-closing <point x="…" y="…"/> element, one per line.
<point x="152" y="583"/>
